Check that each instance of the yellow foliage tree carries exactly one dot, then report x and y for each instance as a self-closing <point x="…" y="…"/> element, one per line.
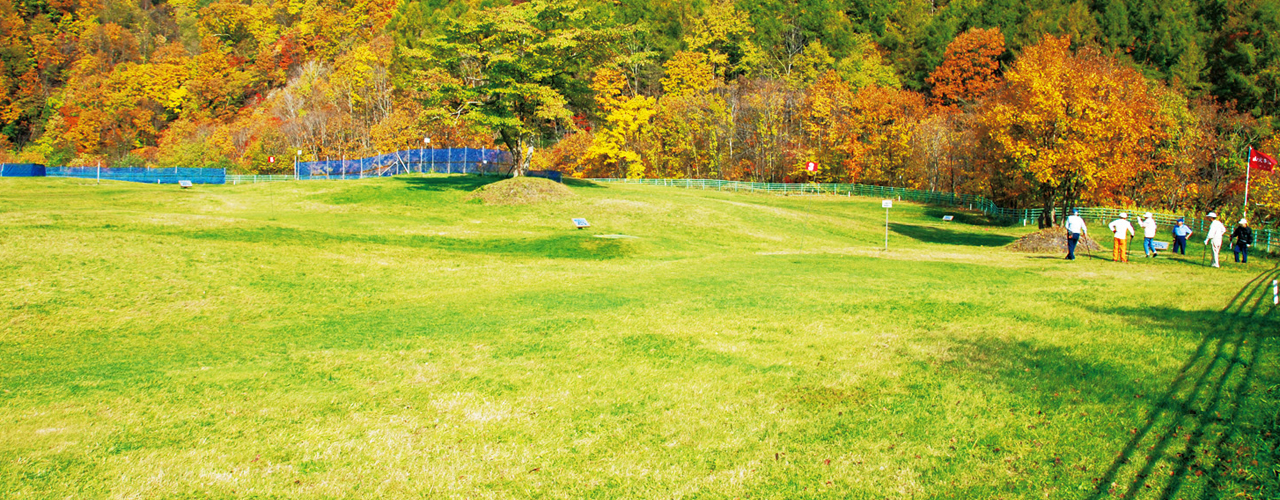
<point x="627" y="120"/>
<point x="1071" y="125"/>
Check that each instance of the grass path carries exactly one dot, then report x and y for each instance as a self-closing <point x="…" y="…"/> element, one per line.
<point x="387" y="338"/>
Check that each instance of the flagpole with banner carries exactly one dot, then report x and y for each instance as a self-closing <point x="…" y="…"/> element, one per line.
<point x="1261" y="161"/>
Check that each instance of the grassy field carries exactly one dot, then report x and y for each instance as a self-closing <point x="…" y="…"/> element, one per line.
<point x="389" y="338"/>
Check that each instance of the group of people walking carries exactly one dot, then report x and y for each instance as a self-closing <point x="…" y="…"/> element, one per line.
<point x="1121" y="229"/>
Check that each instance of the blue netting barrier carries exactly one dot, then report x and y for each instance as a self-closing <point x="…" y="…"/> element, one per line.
<point x="142" y="174"/>
<point x="21" y="170"/>
<point x="456" y="161"/>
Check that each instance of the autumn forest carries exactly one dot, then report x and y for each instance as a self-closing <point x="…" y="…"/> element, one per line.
<point x="1035" y="103"/>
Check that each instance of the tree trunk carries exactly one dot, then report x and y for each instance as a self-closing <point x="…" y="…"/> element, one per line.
<point x="1049" y="217"/>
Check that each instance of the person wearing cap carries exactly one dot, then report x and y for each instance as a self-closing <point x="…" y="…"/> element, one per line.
<point x="1075" y="227"/>
<point x="1123" y="230"/>
<point x="1243" y="237"/>
<point x="1216" y="232"/>
<point x="1181" y="231"/>
<point x="1148" y="225"/>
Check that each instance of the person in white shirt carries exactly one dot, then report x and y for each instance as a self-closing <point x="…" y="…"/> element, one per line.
<point x="1148" y="225"/>
<point x="1216" y="231"/>
<point x="1075" y="227"/>
<point x="1123" y="230"/>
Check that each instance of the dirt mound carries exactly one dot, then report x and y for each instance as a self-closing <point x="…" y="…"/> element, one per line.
<point x="521" y="191"/>
<point x="1052" y="240"/>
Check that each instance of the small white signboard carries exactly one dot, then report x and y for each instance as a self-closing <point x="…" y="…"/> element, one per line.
<point x="886" y="204"/>
<point x="948" y="218"/>
<point x="184" y="184"/>
<point x="581" y="223"/>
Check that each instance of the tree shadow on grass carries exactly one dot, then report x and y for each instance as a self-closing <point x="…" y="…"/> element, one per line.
<point x="1200" y="430"/>
<point x="450" y="183"/>
<point x="963" y="216"/>
<point x="929" y="234"/>
<point x="582" y="183"/>
<point x="559" y="246"/>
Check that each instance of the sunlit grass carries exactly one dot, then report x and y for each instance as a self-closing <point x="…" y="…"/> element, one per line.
<point x="389" y="338"/>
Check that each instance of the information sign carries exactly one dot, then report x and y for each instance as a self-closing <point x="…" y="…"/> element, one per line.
<point x="886" y="204"/>
<point x="581" y="223"/>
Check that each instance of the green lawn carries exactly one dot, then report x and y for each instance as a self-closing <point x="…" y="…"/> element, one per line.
<point x="387" y="338"/>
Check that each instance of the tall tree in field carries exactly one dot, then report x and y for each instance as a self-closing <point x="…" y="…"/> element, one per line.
<point x="1071" y="124"/>
<point x="520" y="66"/>
<point x="626" y="121"/>
<point x="831" y="130"/>
<point x="970" y="67"/>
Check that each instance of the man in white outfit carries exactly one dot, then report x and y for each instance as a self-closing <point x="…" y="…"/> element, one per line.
<point x="1123" y="230"/>
<point x="1148" y="226"/>
<point x="1216" y="231"/>
<point x="1075" y="227"/>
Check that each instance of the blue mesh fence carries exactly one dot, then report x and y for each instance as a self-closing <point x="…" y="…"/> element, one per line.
<point x="455" y="161"/>
<point x="21" y="170"/>
<point x="141" y="174"/>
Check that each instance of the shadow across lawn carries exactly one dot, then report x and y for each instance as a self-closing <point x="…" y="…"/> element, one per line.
<point x="963" y="216"/>
<point x="555" y="246"/>
<point x="945" y="236"/>
<point x="450" y="183"/>
<point x="1201" y="430"/>
<point x="582" y="183"/>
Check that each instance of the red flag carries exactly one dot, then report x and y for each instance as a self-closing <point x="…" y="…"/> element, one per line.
<point x="1261" y="161"/>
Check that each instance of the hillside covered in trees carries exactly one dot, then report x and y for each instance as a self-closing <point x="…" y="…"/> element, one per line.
<point x="1032" y="103"/>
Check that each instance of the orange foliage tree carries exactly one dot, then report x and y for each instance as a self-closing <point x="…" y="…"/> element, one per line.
<point x="969" y="67"/>
<point x="829" y="125"/>
<point x="1070" y="125"/>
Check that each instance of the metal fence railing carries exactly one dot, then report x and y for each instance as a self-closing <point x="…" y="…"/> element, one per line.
<point x="254" y="179"/>
<point x="1264" y="237"/>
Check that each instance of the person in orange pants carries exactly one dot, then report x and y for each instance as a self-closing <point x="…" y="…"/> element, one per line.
<point x="1123" y="230"/>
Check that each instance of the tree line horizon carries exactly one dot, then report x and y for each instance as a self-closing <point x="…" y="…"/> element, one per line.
<point x="1033" y="104"/>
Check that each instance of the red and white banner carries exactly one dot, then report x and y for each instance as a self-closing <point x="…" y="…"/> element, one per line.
<point x="1261" y="161"/>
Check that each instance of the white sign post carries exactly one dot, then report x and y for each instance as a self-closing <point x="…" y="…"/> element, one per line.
<point x="887" y="204"/>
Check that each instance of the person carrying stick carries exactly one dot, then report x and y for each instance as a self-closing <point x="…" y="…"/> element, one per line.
<point x="1216" y="232"/>
<point x="1123" y="230"/>
<point x="1075" y="228"/>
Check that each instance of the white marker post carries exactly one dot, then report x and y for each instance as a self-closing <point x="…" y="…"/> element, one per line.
<point x="1275" y="292"/>
<point x="887" y="204"/>
<point x="427" y="141"/>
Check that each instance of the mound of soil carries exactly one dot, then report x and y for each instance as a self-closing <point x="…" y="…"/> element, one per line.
<point x="521" y="191"/>
<point x="1052" y="240"/>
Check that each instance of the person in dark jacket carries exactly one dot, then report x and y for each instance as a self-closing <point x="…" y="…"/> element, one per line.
<point x="1180" y="233"/>
<point x="1243" y="237"/>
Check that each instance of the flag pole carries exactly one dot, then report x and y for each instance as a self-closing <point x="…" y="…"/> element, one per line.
<point x="1248" y="161"/>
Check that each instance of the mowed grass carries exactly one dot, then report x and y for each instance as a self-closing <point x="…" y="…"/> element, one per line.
<point x="387" y="338"/>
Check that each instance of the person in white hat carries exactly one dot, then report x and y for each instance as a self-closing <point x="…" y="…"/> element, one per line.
<point x="1148" y="225"/>
<point x="1244" y="238"/>
<point x="1216" y="232"/>
<point x="1123" y="230"/>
